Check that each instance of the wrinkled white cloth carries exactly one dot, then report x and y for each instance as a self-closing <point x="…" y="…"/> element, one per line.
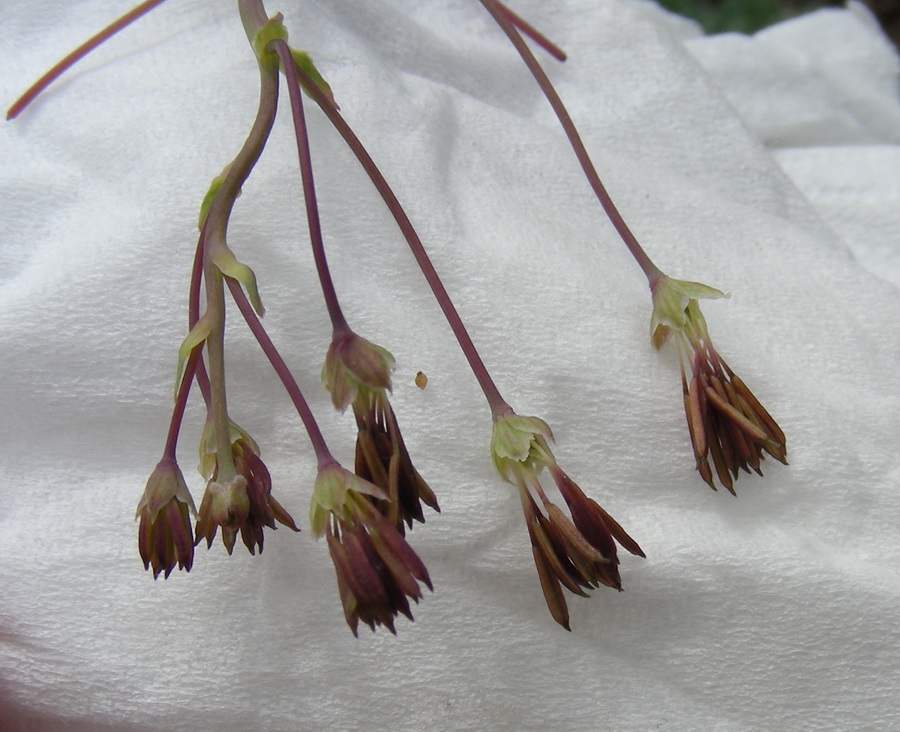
<point x="773" y="610"/>
<point x="821" y="92"/>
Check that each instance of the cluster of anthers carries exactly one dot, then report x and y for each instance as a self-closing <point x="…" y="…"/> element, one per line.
<point x="725" y="420"/>
<point x="578" y="553"/>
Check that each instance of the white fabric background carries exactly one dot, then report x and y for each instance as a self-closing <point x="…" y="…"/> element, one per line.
<point x="774" y="610"/>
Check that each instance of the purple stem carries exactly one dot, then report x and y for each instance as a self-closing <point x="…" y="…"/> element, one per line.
<point x="194" y="311"/>
<point x="180" y="403"/>
<point x="281" y="368"/>
<point x="338" y="321"/>
<point x="652" y="272"/>
<point x="533" y="33"/>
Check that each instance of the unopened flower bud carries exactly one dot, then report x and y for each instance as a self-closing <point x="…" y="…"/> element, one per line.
<point x="164" y="535"/>
<point x="353" y="364"/>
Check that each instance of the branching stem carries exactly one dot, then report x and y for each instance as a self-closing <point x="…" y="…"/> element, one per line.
<point x="498" y="405"/>
<point x="533" y="33"/>
<point x="213" y="239"/>
<point x="194" y="311"/>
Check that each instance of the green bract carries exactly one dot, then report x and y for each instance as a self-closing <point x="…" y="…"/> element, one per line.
<point x="305" y="63"/>
<point x="210" y="196"/>
<point x="229" y="266"/>
<point x="274" y="30"/>
<point x="672" y="300"/>
<point x="334" y="491"/>
<point x="519" y="446"/>
<point x="197" y="335"/>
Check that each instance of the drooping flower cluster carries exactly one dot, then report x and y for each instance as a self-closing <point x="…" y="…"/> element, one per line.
<point x="242" y="504"/>
<point x="377" y="571"/>
<point x="577" y="553"/>
<point x="357" y="373"/>
<point x="726" y="421"/>
<point x="164" y="533"/>
<point x="364" y="516"/>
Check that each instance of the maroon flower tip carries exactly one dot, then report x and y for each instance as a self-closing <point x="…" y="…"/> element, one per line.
<point x="244" y="505"/>
<point x="382" y="459"/>
<point x="377" y="571"/>
<point x="577" y="554"/>
<point x="726" y="422"/>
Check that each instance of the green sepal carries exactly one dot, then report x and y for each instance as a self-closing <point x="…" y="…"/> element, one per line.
<point x="355" y="366"/>
<point x="199" y="333"/>
<point x="209" y="446"/>
<point x="229" y="266"/>
<point x="675" y="305"/>
<point x="274" y="30"/>
<point x="305" y="63"/>
<point x="335" y="492"/>
<point x="519" y="447"/>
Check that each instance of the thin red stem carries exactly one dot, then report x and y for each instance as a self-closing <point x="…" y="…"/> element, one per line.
<point x="309" y="189"/>
<point x="79" y="53"/>
<point x="195" y="368"/>
<point x="652" y="272"/>
<point x="181" y="399"/>
<point x="281" y="368"/>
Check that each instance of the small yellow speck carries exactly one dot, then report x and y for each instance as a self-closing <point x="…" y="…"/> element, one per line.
<point x="421" y="380"/>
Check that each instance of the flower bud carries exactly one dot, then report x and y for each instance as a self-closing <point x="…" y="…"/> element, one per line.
<point x="353" y="364"/>
<point x="164" y="535"/>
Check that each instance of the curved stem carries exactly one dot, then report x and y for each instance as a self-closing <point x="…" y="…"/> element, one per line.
<point x="253" y="16"/>
<point x="190" y="370"/>
<point x="499" y="407"/>
<point x="213" y="236"/>
<point x="216" y="224"/>
<point x="281" y="368"/>
<point x="652" y="272"/>
<point x="79" y="53"/>
<point x="215" y="351"/>
<point x="194" y="369"/>
<point x="338" y="321"/>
